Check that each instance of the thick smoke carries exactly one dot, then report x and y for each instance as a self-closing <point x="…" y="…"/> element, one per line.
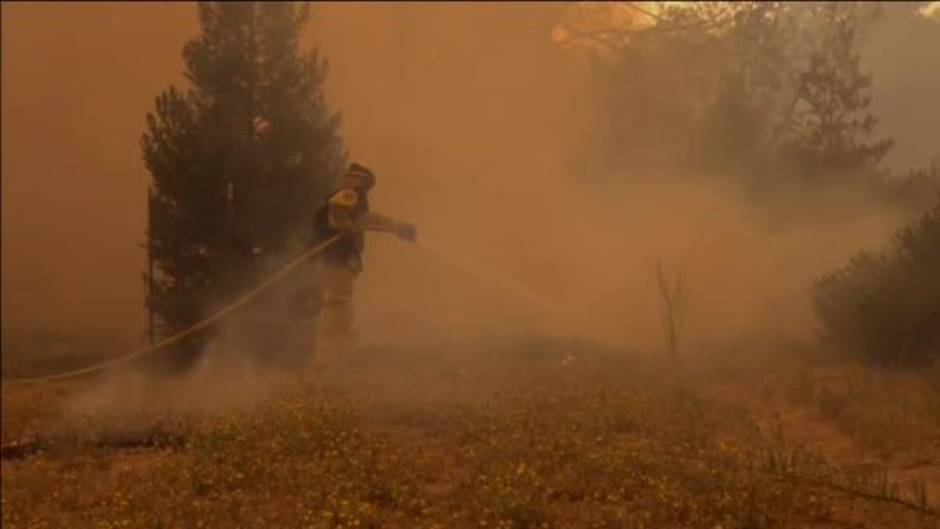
<point x="471" y="117"/>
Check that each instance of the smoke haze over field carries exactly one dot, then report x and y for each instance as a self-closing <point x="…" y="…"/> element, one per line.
<point x="77" y="80"/>
<point x="470" y="115"/>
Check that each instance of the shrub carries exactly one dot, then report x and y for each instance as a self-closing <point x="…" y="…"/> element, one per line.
<point x="886" y="306"/>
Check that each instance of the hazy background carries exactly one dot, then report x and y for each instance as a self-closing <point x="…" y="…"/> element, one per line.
<point x="469" y="114"/>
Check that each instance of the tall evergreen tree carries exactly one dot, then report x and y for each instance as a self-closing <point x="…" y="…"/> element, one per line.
<point x="239" y="159"/>
<point x="831" y="125"/>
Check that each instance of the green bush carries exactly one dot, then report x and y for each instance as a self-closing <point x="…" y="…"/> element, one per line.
<point x="886" y="306"/>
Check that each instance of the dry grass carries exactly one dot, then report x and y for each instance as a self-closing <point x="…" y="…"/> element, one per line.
<point x="518" y="442"/>
<point x="888" y="413"/>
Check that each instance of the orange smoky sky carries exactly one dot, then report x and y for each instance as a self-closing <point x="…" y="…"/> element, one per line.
<point x="77" y="81"/>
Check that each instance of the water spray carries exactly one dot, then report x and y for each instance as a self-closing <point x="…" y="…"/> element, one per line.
<point x="532" y="300"/>
<point x="481" y="269"/>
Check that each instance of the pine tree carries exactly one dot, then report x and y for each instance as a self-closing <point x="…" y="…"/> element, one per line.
<point x="239" y="160"/>
<point x="831" y="126"/>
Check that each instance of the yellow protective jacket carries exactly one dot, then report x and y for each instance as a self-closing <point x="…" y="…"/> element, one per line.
<point x="346" y="213"/>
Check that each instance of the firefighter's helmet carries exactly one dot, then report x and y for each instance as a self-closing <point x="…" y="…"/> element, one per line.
<point x="358" y="177"/>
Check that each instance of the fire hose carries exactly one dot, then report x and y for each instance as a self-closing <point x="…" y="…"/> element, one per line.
<point x="474" y="267"/>
<point x="185" y="333"/>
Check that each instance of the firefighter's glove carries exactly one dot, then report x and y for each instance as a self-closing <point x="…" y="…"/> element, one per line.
<point x="407" y="231"/>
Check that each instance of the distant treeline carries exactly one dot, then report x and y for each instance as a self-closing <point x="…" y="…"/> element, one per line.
<point x="770" y="96"/>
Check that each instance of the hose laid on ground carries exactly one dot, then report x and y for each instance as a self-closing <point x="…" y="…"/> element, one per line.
<point x="166" y="342"/>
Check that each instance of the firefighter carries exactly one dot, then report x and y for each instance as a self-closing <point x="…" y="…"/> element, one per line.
<point x="345" y="213"/>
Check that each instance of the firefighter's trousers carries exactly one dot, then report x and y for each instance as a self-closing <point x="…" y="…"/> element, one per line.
<point x="333" y="329"/>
